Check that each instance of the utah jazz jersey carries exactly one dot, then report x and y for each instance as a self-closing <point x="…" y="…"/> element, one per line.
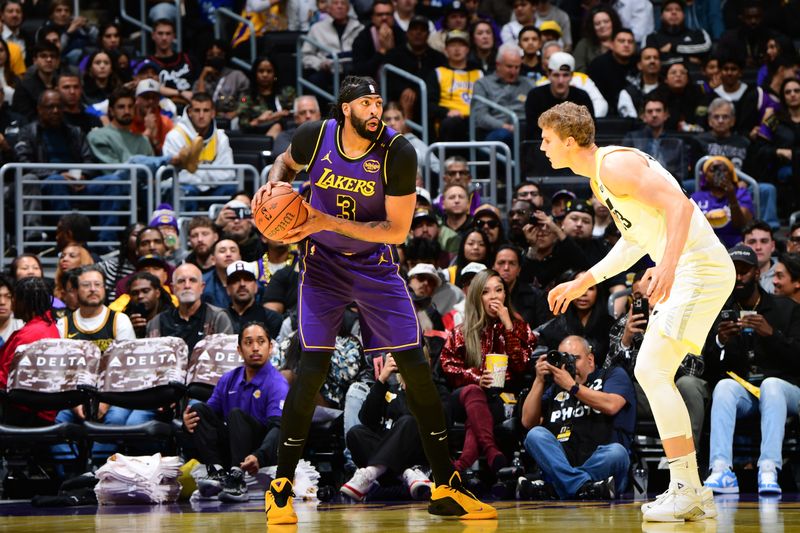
<point x="642" y="224"/>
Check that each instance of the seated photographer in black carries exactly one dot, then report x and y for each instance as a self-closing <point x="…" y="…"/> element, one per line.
<point x="626" y="339"/>
<point x="581" y="424"/>
<point x="237" y="431"/>
<point x="387" y="439"/>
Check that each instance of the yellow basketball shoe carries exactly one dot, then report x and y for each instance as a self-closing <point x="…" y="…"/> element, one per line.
<point x="454" y="501"/>
<point x="278" y="502"/>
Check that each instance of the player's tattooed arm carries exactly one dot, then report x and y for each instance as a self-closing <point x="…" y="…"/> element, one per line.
<point x="285" y="168"/>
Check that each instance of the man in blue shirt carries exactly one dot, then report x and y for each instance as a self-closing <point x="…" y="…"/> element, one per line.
<point x="581" y="426"/>
<point x="238" y="429"/>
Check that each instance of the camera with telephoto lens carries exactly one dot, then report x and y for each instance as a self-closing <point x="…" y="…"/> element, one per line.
<point x="562" y="360"/>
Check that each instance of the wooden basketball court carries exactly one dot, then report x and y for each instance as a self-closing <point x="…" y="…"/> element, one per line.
<point x="738" y="513"/>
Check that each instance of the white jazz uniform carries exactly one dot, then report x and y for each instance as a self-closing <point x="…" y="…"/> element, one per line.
<point x="705" y="275"/>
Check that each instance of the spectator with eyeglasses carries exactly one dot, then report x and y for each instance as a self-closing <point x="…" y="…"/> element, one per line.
<point x="793" y="240"/>
<point x="456" y="171"/>
<point x="487" y="219"/>
<point x="530" y="192"/>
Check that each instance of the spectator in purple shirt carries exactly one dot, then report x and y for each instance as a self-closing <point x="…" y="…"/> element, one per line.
<point x="725" y="202"/>
<point x="238" y="429"/>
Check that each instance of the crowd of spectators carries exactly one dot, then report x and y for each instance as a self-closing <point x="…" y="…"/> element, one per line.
<point x="686" y="83"/>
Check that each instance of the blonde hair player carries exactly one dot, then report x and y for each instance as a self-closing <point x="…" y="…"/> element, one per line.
<point x="692" y="279"/>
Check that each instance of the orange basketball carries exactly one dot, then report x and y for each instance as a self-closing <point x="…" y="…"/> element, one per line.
<point x="281" y="211"/>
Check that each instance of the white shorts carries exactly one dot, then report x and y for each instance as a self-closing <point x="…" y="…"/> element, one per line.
<point x="704" y="281"/>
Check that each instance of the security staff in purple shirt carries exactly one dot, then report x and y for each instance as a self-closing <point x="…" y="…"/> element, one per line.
<point x="237" y="431"/>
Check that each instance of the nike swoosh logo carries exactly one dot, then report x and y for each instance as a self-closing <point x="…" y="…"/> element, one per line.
<point x="232" y="392"/>
<point x="442" y="438"/>
<point x="290" y="444"/>
<point x="437" y="433"/>
<point x="296" y="440"/>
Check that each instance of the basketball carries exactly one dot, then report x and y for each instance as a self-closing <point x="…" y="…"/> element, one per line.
<point x="280" y="212"/>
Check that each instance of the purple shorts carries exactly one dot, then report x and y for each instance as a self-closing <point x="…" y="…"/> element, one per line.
<point x="330" y="281"/>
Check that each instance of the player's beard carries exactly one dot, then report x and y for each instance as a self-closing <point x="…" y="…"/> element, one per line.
<point x="361" y="128"/>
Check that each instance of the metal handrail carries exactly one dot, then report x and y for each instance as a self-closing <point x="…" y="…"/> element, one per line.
<point x="18" y="168"/>
<point x="335" y="69"/>
<point x="423" y="96"/>
<point x="747" y="178"/>
<point x="177" y="193"/>
<point x="145" y="28"/>
<point x="514" y="122"/>
<point x="224" y="11"/>
<point x="491" y="181"/>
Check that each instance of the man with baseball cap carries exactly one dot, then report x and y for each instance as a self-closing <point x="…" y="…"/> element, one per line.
<point x="561" y="66"/>
<point x="755" y="338"/>
<point x="244" y="292"/>
<point x="147" y="117"/>
<point x="453" y="84"/>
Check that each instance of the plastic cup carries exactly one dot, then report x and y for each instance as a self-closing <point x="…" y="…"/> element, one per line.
<point x="497" y="363"/>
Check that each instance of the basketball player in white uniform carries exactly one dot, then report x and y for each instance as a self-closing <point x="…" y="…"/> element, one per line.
<point x="692" y="279"/>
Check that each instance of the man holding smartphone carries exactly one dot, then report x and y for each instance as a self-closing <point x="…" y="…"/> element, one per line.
<point x="625" y="340"/>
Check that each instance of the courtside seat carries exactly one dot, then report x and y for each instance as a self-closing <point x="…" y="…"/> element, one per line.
<point x="145" y="374"/>
<point x="212" y="357"/>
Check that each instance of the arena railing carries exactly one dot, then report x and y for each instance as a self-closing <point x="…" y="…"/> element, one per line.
<point x="222" y="12"/>
<point x="30" y="189"/>
<point x="145" y="28"/>
<point x="473" y="127"/>
<point x="747" y="178"/>
<point x="491" y="183"/>
<point x="336" y="70"/>
<point x="421" y="128"/>
<point x="177" y="197"/>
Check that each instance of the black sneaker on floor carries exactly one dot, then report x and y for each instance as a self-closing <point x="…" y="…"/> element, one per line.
<point x="536" y="489"/>
<point x="234" y="488"/>
<point x="597" y="490"/>
<point x="211" y="485"/>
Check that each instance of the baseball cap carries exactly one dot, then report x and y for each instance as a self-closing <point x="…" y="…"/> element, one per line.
<point x="456" y="7"/>
<point x="421" y="191"/>
<point x="564" y="193"/>
<point x="470" y="271"/>
<point x="456" y="35"/>
<point x="145" y="65"/>
<point x="423" y="213"/>
<point x="419" y="20"/>
<point x="487" y="209"/>
<point x="425" y="269"/>
<point x="580" y="207"/>
<point x="743" y="254"/>
<point x="152" y="260"/>
<point x="665" y="3"/>
<point x="241" y="267"/>
<point x="147" y="86"/>
<point x="551" y="25"/>
<point x="561" y="61"/>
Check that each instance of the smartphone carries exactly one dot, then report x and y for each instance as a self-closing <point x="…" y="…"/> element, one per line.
<point x="728" y="315"/>
<point x="641" y="306"/>
<point x="135" y="308"/>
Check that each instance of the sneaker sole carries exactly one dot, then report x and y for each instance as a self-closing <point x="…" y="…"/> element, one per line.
<point x="209" y="490"/>
<point x="235" y="498"/>
<point x="281" y="520"/>
<point x="694" y="514"/>
<point x="352" y="493"/>
<point x="770" y="491"/>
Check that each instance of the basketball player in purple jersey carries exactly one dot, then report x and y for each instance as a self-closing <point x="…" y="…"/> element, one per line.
<point x="363" y="194"/>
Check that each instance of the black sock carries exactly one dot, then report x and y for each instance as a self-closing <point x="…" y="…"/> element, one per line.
<point x="298" y="408"/>
<point x="426" y="406"/>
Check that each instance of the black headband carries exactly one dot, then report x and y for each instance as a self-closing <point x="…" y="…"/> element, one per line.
<point x="354" y="92"/>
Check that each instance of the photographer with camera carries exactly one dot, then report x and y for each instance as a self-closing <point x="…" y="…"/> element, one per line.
<point x="581" y="421"/>
<point x="387" y="438"/>
<point x="726" y="204"/>
<point x="753" y="347"/>
<point x="625" y="340"/>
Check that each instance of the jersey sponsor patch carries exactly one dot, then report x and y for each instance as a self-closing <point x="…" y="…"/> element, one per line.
<point x="372" y="166"/>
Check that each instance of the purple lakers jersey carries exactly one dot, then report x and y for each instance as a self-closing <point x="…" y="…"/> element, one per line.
<point x="349" y="188"/>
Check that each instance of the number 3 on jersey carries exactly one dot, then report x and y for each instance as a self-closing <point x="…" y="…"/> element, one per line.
<point x="348" y="206"/>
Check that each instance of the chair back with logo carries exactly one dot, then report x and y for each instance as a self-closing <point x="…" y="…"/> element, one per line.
<point x="143" y="373"/>
<point x="212" y="357"/>
<point x="53" y="373"/>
